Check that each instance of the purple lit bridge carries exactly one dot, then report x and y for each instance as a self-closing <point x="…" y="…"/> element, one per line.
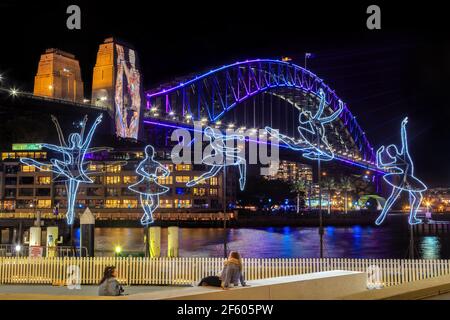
<point x="253" y="94"/>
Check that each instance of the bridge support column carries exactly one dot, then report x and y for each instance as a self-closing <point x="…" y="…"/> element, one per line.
<point x="87" y="234"/>
<point x="20" y="233"/>
<point x="172" y="250"/>
<point x="10" y="235"/>
<point x="52" y="241"/>
<point x="35" y="236"/>
<point x="154" y="234"/>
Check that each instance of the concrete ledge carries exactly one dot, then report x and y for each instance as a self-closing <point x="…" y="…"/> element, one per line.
<point x="408" y="291"/>
<point x="312" y="286"/>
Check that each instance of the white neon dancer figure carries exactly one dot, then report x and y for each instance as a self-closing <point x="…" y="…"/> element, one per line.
<point x="228" y="155"/>
<point x="148" y="187"/>
<point x="73" y="165"/>
<point x="314" y="126"/>
<point x="401" y="178"/>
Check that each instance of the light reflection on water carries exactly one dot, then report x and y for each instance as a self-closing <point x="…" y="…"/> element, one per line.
<point x="430" y="247"/>
<point x="390" y="241"/>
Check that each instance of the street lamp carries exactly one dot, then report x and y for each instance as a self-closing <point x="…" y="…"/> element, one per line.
<point x="118" y="250"/>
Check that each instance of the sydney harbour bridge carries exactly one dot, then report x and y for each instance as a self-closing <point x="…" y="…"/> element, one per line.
<point x="253" y="94"/>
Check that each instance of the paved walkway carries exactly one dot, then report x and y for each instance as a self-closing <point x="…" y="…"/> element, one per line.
<point x="86" y="290"/>
<point x="445" y="296"/>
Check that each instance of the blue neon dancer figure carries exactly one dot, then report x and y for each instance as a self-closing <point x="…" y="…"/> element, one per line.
<point x="73" y="165"/>
<point x="401" y="178"/>
<point x="148" y="187"/>
<point x="312" y="125"/>
<point x="228" y="155"/>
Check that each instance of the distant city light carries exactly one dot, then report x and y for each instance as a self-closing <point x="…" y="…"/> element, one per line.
<point x="118" y="249"/>
<point x="103" y="98"/>
<point x="14" y="92"/>
<point x="18" y="248"/>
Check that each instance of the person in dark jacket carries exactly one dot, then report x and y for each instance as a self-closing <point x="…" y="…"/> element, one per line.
<point x="109" y="286"/>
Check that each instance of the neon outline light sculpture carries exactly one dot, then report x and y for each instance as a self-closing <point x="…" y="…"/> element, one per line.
<point x="73" y="165"/>
<point x="314" y="125"/>
<point x="228" y="155"/>
<point x="149" y="197"/>
<point x="403" y="167"/>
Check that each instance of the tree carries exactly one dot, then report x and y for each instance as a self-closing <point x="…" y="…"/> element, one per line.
<point x="329" y="184"/>
<point x="347" y="186"/>
<point x="261" y="192"/>
<point x="299" y="187"/>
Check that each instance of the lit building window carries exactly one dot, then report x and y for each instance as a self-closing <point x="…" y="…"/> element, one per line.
<point x="112" y="179"/>
<point x="28" y="168"/>
<point x="129" y="203"/>
<point x="213" y="192"/>
<point x="213" y="181"/>
<point x="112" y="203"/>
<point x="112" y="192"/>
<point x="199" y="192"/>
<point x="182" y="203"/>
<point x="40" y="155"/>
<point x="182" y="179"/>
<point x="169" y="167"/>
<point x="165" y="203"/>
<point x="44" y="204"/>
<point x="44" y="180"/>
<point x="113" y="168"/>
<point x="183" y="167"/>
<point x="200" y="182"/>
<point x="165" y="180"/>
<point x="8" y="155"/>
<point x="129" y="179"/>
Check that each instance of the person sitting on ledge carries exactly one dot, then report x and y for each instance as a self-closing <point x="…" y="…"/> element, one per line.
<point x="109" y="286"/>
<point x="232" y="271"/>
<point x="231" y="274"/>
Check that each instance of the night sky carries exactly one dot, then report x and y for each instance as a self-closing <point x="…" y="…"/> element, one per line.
<point x="383" y="75"/>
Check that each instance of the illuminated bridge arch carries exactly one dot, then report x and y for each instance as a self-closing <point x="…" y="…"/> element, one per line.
<point x="212" y="95"/>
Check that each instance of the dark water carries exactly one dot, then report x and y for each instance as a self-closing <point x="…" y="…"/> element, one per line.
<point x="388" y="241"/>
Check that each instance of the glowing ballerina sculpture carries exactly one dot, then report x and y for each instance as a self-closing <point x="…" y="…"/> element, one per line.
<point x="314" y="126"/>
<point x="401" y="178"/>
<point x="73" y="165"/>
<point x="222" y="157"/>
<point x="148" y="187"/>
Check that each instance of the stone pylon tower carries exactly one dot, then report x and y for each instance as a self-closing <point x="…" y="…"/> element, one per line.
<point x="59" y="76"/>
<point x="117" y="86"/>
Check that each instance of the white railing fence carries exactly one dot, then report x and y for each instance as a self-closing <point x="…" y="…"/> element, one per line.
<point x="189" y="270"/>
